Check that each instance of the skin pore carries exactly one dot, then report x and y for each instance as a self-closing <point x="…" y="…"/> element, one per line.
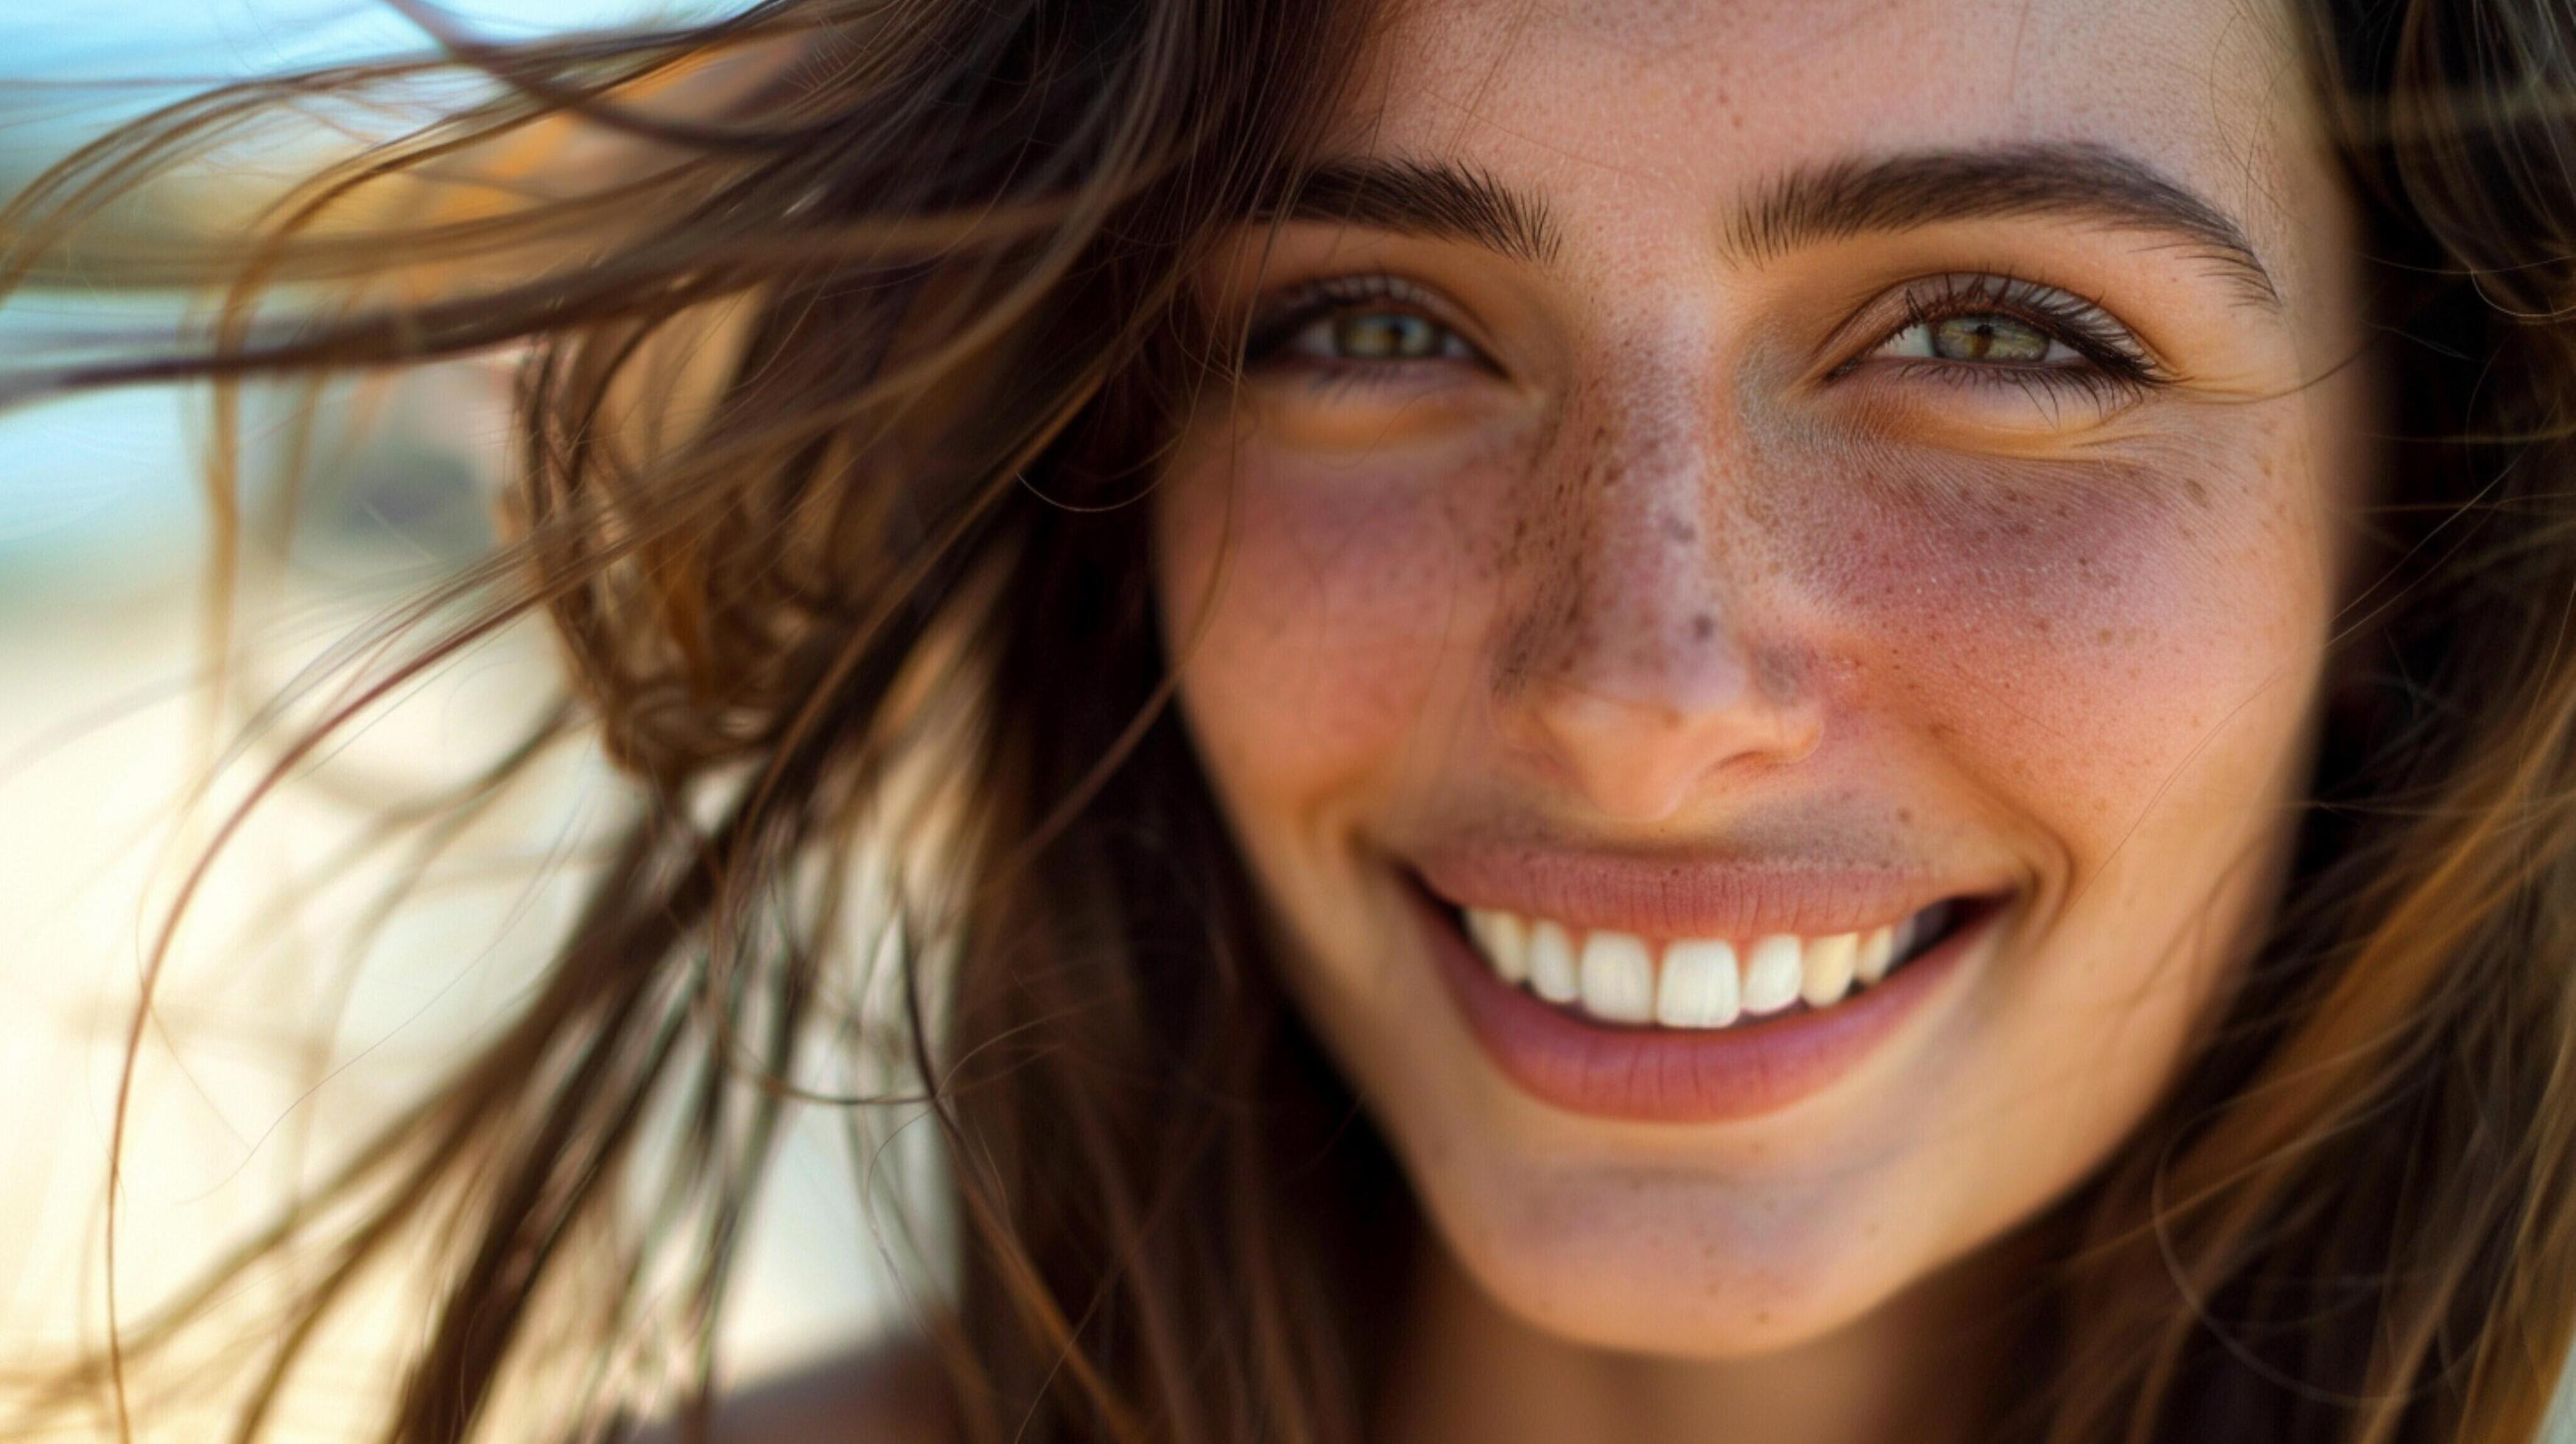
<point x="1736" y="445"/>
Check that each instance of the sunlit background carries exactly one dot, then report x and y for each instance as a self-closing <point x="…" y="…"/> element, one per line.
<point x="265" y="1054"/>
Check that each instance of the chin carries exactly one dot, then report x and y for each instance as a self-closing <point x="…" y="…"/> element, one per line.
<point x="1685" y="1269"/>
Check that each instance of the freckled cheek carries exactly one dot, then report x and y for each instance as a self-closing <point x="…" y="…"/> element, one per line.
<point x="2079" y="640"/>
<point x="1335" y="605"/>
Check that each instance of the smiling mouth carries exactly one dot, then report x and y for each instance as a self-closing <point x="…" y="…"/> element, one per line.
<point x="1608" y="977"/>
<point x="1700" y="1029"/>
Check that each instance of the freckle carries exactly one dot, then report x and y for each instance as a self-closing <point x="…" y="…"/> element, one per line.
<point x="2103" y="635"/>
<point x="2199" y="494"/>
<point x="1905" y="816"/>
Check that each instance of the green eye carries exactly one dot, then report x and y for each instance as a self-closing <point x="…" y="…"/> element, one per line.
<point x="1377" y="336"/>
<point x="1356" y="328"/>
<point x="1988" y="338"/>
<point x="1385" y="336"/>
<point x="1994" y="337"/>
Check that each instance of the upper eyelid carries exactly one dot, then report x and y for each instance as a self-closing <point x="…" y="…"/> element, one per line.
<point x="1360" y="289"/>
<point x="1281" y="314"/>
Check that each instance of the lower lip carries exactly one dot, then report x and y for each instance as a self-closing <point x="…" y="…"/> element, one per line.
<point x="1672" y="1075"/>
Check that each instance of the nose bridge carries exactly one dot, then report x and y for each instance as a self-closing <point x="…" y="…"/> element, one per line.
<point x="1646" y="607"/>
<point x="1640" y="659"/>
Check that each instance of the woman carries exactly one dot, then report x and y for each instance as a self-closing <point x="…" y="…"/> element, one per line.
<point x="1613" y="721"/>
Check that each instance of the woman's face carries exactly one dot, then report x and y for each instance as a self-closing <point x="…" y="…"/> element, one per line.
<point x="1731" y="501"/>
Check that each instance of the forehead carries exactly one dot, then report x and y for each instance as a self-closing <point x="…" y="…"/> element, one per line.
<point x="1625" y="107"/>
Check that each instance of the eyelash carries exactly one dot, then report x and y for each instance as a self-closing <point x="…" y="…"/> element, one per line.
<point x="1334" y="296"/>
<point x="2116" y="363"/>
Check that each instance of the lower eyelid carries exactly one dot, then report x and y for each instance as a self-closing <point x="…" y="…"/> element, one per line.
<point x="1329" y="376"/>
<point x="2075" y="395"/>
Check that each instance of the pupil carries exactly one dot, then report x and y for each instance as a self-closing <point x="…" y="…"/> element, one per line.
<point x="1386" y="335"/>
<point x="1987" y="338"/>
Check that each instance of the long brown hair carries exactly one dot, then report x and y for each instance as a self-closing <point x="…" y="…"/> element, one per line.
<point x="855" y="331"/>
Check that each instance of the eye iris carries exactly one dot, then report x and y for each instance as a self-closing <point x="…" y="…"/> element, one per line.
<point x="1988" y="338"/>
<point x="1385" y="336"/>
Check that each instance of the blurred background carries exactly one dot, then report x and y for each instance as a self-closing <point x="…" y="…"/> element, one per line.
<point x="266" y="1053"/>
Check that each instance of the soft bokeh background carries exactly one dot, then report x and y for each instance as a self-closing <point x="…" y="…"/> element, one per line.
<point x="266" y="1053"/>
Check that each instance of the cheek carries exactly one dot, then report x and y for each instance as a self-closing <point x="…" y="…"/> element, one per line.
<point x="1322" y="609"/>
<point x="2077" y="632"/>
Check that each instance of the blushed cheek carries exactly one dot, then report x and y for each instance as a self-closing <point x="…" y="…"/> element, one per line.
<point x="1323" y="608"/>
<point x="2075" y="633"/>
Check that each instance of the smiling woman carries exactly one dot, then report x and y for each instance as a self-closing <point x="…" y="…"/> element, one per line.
<point x="1763" y="646"/>
<point x="1618" y="721"/>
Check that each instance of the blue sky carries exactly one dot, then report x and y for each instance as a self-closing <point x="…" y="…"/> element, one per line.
<point x="91" y="39"/>
<point x="113" y="476"/>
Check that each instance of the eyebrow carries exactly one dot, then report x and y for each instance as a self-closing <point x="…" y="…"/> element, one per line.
<point x="1441" y="199"/>
<point x="1810" y="206"/>
<point x="1921" y="188"/>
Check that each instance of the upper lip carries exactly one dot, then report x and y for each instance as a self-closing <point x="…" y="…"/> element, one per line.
<point x="1679" y="896"/>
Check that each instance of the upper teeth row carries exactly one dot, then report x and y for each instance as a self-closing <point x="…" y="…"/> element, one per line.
<point x="1700" y="983"/>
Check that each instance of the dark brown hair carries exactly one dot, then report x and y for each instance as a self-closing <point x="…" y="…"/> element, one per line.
<point x="857" y="329"/>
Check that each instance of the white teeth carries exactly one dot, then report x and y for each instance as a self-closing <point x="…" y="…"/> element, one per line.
<point x="1618" y="977"/>
<point x="1876" y="951"/>
<point x="1505" y="939"/>
<point x="1697" y="989"/>
<point x="1828" y="971"/>
<point x="1698" y="982"/>
<point x="1551" y="963"/>
<point x="1772" y="974"/>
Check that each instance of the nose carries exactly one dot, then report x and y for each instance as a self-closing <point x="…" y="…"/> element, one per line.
<point x="1643" y="661"/>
